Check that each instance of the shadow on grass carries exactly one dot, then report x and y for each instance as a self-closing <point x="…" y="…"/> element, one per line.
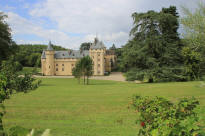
<point x="103" y="83"/>
<point x="47" y="85"/>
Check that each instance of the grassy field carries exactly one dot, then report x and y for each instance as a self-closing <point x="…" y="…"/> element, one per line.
<point x="99" y="109"/>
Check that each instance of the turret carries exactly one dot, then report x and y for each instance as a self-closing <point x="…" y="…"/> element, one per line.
<point x="50" y="67"/>
<point x="97" y="53"/>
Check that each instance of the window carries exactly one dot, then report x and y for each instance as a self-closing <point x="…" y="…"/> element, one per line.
<point x="72" y="65"/>
<point x="56" y="64"/>
<point x="56" y="69"/>
<point x="63" y="54"/>
<point x="98" y="65"/>
<point x="62" y="64"/>
<point x="49" y="66"/>
<point x="98" y="72"/>
<point x="62" y="69"/>
<point x="98" y="54"/>
<point x="98" y="59"/>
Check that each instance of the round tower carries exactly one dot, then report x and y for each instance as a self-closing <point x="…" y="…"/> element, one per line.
<point x="50" y="66"/>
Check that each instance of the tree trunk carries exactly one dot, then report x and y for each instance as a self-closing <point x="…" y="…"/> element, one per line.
<point x="84" y="78"/>
<point x="87" y="80"/>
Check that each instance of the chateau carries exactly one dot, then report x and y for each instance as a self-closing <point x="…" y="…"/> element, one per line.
<point x="62" y="62"/>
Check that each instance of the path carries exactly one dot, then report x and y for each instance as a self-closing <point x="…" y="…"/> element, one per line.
<point x="115" y="76"/>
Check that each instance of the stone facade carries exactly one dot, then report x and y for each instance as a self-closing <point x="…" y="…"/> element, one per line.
<point x="62" y="62"/>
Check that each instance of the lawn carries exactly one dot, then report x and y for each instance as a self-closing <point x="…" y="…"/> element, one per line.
<point x="99" y="109"/>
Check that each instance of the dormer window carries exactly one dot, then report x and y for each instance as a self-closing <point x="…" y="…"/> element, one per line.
<point x="63" y="54"/>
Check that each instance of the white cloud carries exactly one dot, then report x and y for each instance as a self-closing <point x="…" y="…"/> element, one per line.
<point x="111" y="19"/>
<point x="88" y="16"/>
<point x="24" y="26"/>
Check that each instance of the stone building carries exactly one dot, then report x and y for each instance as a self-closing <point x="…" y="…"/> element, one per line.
<point x="62" y="62"/>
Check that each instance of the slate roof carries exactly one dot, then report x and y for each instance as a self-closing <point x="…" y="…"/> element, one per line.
<point x="74" y="54"/>
<point x="50" y="46"/>
<point x="97" y="44"/>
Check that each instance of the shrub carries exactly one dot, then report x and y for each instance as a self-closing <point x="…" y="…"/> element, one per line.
<point x="18" y="131"/>
<point x="131" y="75"/>
<point x="160" y="117"/>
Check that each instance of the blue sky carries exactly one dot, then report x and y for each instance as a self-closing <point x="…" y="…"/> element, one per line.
<point x="70" y="22"/>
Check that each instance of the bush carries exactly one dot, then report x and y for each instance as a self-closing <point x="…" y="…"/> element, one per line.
<point x="18" y="131"/>
<point x="160" y="117"/>
<point x="157" y="75"/>
<point x="106" y="73"/>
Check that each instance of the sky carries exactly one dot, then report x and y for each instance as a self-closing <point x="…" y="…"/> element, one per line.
<point x="69" y="23"/>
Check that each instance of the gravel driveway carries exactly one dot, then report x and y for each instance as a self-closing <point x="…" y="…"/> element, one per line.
<point x="115" y="76"/>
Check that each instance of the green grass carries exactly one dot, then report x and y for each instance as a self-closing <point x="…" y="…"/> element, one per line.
<point x="99" y="109"/>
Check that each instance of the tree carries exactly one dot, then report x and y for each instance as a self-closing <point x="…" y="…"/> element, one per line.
<point x="29" y="55"/>
<point x="194" y="26"/>
<point x="155" y="49"/>
<point x="76" y="71"/>
<point x="85" y="46"/>
<point x="113" y="47"/>
<point x="11" y="82"/>
<point x="84" y="67"/>
<point x="7" y="45"/>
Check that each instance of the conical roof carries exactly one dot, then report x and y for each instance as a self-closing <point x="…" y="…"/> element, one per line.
<point x="50" y="46"/>
<point x="97" y="44"/>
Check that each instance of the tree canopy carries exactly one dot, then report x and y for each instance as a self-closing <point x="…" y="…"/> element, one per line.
<point x="30" y="55"/>
<point x="155" y="49"/>
<point x="85" y="46"/>
<point x="194" y="52"/>
<point x="83" y="68"/>
<point x="7" y="45"/>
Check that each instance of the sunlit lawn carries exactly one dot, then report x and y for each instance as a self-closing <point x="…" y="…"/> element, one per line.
<point x="99" y="109"/>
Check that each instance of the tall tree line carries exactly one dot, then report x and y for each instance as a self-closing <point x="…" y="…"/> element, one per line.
<point x="155" y="52"/>
<point x="29" y="55"/>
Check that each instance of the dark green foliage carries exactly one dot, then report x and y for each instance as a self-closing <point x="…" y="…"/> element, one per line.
<point x="76" y="72"/>
<point x="30" y="55"/>
<point x="155" y="49"/>
<point x="7" y="45"/>
<point x="160" y="117"/>
<point x="85" y="46"/>
<point x="84" y="68"/>
<point x="192" y="62"/>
